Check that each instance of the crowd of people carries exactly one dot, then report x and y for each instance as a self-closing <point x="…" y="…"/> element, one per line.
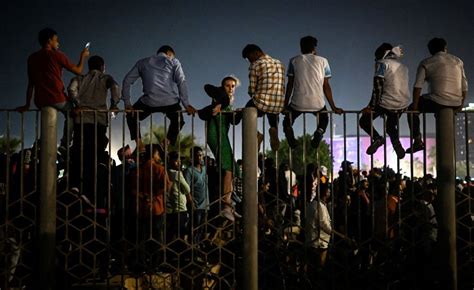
<point x="151" y="195"/>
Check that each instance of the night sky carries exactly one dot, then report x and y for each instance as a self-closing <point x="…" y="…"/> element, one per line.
<point x="208" y="37"/>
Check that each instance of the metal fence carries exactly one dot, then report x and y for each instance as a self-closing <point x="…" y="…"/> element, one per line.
<point x="96" y="221"/>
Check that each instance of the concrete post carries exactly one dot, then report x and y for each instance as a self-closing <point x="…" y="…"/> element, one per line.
<point x="250" y="188"/>
<point x="48" y="177"/>
<point x="446" y="196"/>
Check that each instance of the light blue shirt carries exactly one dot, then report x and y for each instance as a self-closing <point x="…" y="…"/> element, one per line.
<point x="163" y="81"/>
<point x="197" y="180"/>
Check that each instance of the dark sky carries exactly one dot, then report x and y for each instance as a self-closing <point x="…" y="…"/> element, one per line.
<point x="208" y="37"/>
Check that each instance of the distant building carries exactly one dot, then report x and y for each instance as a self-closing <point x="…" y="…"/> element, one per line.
<point x="465" y="135"/>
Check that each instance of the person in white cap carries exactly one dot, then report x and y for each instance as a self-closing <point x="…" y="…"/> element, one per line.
<point x="390" y="97"/>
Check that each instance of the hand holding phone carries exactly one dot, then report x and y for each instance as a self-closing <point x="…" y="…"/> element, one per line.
<point x="87" y="45"/>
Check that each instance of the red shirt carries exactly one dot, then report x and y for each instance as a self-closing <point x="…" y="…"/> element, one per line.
<point x="45" y="70"/>
<point x="153" y="183"/>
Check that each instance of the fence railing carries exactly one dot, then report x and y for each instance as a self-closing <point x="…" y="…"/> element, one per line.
<point x="73" y="218"/>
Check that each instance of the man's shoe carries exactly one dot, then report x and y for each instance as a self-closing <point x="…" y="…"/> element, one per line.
<point x="274" y="141"/>
<point x="418" y="145"/>
<point x="62" y="150"/>
<point x="399" y="150"/>
<point x="379" y="141"/>
<point x="317" y="137"/>
<point x="228" y="213"/>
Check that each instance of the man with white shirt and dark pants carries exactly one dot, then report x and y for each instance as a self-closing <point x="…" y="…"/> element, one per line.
<point x="390" y="97"/>
<point x="308" y="84"/>
<point x="164" y="87"/>
<point x="447" y="87"/>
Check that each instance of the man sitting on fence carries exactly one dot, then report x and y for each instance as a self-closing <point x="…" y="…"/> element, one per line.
<point x="448" y="87"/>
<point x="308" y="84"/>
<point x="161" y="75"/>
<point x="45" y="69"/>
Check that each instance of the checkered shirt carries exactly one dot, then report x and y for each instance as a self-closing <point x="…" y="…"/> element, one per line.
<point x="267" y="84"/>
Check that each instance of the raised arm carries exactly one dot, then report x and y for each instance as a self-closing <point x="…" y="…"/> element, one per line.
<point x="77" y="69"/>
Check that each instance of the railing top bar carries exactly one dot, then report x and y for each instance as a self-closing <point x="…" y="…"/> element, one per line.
<point x="223" y="112"/>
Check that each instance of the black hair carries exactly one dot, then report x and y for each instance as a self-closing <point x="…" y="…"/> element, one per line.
<point x="173" y="155"/>
<point x="250" y="49"/>
<point x="436" y="45"/>
<point x="194" y="150"/>
<point x="380" y="51"/>
<point x="308" y="44"/>
<point x="46" y="34"/>
<point x="165" y="49"/>
<point x="152" y="148"/>
<point x="95" y="62"/>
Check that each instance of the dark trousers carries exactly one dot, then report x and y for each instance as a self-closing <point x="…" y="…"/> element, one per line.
<point x="290" y="118"/>
<point x="272" y="118"/>
<point x="199" y="216"/>
<point x="176" y="224"/>
<point x="89" y="142"/>
<point x="425" y="106"/>
<point x="172" y="113"/>
<point x="391" y="126"/>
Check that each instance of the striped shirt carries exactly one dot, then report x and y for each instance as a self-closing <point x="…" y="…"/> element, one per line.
<point x="267" y="84"/>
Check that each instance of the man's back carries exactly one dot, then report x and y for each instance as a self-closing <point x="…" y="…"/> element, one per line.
<point x="45" y="72"/>
<point x="309" y="71"/>
<point x="445" y="74"/>
<point x="396" y="94"/>
<point x="267" y="84"/>
<point x="90" y="91"/>
<point x="160" y="77"/>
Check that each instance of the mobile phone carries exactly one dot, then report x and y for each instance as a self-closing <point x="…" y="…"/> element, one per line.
<point x="87" y="45"/>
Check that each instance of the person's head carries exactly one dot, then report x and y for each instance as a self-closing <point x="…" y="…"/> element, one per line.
<point x="436" y="45"/>
<point x="346" y="166"/>
<point x="197" y="154"/>
<point x="230" y="83"/>
<point x="363" y="184"/>
<point x="263" y="185"/>
<point x="154" y="152"/>
<point x="325" y="192"/>
<point x="252" y="52"/>
<point x="124" y="153"/>
<point x="168" y="50"/>
<point x="324" y="170"/>
<point x="47" y="37"/>
<point x="381" y="51"/>
<point x="174" y="160"/>
<point x="308" y="44"/>
<point x="96" y="62"/>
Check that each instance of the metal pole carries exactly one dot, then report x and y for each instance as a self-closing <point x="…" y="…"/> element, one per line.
<point x="446" y="195"/>
<point x="250" y="190"/>
<point x="47" y="229"/>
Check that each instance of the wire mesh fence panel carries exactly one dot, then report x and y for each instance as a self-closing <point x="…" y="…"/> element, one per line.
<point x="157" y="214"/>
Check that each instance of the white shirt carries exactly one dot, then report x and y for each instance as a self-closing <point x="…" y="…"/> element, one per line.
<point x="309" y="72"/>
<point x="396" y="94"/>
<point x="318" y="225"/>
<point x="445" y="75"/>
<point x="290" y="177"/>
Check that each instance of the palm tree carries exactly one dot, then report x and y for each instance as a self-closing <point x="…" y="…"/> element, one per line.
<point x="183" y="145"/>
<point x="303" y="155"/>
<point x="10" y="145"/>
